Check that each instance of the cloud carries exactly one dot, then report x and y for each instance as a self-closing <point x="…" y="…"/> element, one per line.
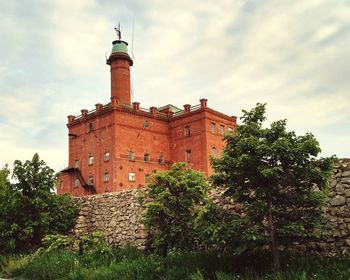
<point x="291" y="54"/>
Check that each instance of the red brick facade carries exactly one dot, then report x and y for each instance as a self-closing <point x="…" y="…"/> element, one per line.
<point x="118" y="145"/>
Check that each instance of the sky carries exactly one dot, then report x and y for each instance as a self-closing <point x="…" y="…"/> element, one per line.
<point x="292" y="55"/>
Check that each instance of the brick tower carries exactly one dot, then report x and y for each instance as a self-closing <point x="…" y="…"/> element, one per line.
<point x="119" y="145"/>
<point x="120" y="63"/>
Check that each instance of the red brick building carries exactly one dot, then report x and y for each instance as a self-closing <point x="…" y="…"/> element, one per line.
<point x="118" y="145"/>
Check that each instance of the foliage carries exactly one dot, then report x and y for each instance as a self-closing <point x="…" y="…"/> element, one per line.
<point x="53" y="242"/>
<point x="94" y="243"/>
<point x="60" y="264"/>
<point x="5" y="209"/>
<point x="276" y="176"/>
<point x="29" y="209"/>
<point x="170" y="212"/>
<point x="221" y="230"/>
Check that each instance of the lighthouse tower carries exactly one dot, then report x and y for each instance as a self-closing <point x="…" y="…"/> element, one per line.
<point x="120" y="63"/>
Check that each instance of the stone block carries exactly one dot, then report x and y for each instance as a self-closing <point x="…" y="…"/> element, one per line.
<point x="338" y="200"/>
<point x="339" y="188"/>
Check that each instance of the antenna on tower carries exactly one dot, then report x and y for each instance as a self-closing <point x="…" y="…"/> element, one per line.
<point x="119" y="33"/>
<point x="132" y="57"/>
<point x="132" y="40"/>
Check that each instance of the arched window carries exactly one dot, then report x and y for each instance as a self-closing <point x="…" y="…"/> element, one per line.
<point x="76" y="183"/>
<point x="187" y="131"/>
<point x="131" y="156"/>
<point x="188" y="155"/>
<point x="106" y="177"/>
<point x="147" y="157"/>
<point x="161" y="159"/>
<point x="213" y="152"/>
<point x="106" y="156"/>
<point x="213" y="127"/>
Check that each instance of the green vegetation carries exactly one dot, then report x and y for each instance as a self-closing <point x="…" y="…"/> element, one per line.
<point x="277" y="178"/>
<point x="170" y="214"/>
<point x="29" y="209"/>
<point x="131" y="264"/>
<point x="273" y="175"/>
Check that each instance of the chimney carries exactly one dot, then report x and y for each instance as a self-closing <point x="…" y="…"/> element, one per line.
<point x="70" y="118"/>
<point x="187" y="108"/>
<point x="153" y="110"/>
<point x="84" y="112"/>
<point x="98" y="107"/>
<point x="203" y="102"/>
<point x="136" y="106"/>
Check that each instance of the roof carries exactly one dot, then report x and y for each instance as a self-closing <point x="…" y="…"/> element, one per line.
<point x="173" y="108"/>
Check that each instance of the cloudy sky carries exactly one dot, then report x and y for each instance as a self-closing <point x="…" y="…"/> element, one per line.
<point x="293" y="55"/>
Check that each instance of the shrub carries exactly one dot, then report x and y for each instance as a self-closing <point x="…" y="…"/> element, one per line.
<point x="56" y="241"/>
<point x="52" y="265"/>
<point x="14" y="265"/>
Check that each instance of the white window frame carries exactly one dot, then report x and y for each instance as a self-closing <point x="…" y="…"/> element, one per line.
<point x="132" y="176"/>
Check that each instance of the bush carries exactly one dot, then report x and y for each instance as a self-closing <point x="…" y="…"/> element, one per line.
<point x="143" y="268"/>
<point x="129" y="263"/>
<point x="51" y="265"/>
<point x="56" y="241"/>
<point x="14" y="265"/>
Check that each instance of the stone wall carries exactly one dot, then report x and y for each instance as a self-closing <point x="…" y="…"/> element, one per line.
<point x="337" y="211"/>
<point x="118" y="215"/>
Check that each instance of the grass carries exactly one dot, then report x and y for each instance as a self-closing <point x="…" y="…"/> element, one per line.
<point x="129" y="263"/>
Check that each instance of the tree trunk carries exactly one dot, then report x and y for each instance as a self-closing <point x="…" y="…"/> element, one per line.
<point x="273" y="245"/>
<point x="163" y="250"/>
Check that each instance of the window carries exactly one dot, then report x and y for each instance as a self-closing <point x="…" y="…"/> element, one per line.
<point x="213" y="128"/>
<point x="147" y="157"/>
<point x="106" y="177"/>
<point x="147" y="178"/>
<point x="91" y="127"/>
<point x="230" y="129"/>
<point x="188" y="155"/>
<point x="161" y="159"/>
<point x="91" y="180"/>
<point x="222" y="129"/>
<point x="91" y="160"/>
<point x="213" y="152"/>
<point x="146" y="124"/>
<point x="76" y="163"/>
<point x="187" y="131"/>
<point x="131" y="156"/>
<point x="132" y="177"/>
<point x="76" y="183"/>
<point x="106" y="156"/>
<point x="61" y="184"/>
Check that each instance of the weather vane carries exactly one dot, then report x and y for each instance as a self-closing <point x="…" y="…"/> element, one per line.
<point x="119" y="33"/>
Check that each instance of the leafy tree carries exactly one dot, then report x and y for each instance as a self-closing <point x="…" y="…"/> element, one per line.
<point x="29" y="209"/>
<point x="222" y="230"/>
<point x="5" y="209"/>
<point x="171" y="209"/>
<point x="4" y="174"/>
<point x="277" y="178"/>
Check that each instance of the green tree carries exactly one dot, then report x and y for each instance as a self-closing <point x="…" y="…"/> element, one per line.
<point x="222" y="230"/>
<point x="277" y="178"/>
<point x="173" y="196"/>
<point x="5" y="208"/>
<point x="29" y="209"/>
